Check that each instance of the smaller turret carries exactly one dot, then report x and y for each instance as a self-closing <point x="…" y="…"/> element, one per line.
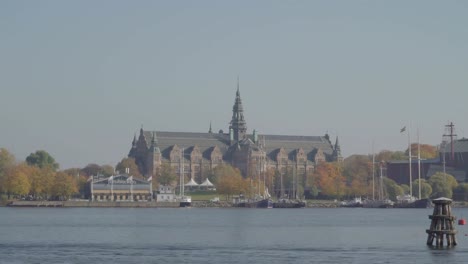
<point x="154" y="144"/>
<point x="337" y="151"/>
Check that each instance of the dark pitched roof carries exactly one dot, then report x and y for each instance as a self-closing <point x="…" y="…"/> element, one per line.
<point x="207" y="141"/>
<point x="291" y="143"/>
<point x="187" y="140"/>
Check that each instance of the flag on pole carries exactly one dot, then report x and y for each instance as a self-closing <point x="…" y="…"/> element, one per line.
<point x="90" y="178"/>
<point x="150" y="178"/>
<point x="403" y="129"/>
<point x="130" y="179"/>
<point x="110" y="179"/>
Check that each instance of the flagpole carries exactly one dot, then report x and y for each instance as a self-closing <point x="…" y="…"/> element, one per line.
<point x="419" y="166"/>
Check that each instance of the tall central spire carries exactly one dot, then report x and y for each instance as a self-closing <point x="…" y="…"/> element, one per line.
<point x="238" y="124"/>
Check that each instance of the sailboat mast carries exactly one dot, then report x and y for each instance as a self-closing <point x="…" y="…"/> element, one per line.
<point x="183" y="173"/>
<point x="381" y="182"/>
<point x="410" y="165"/>
<point x="419" y="166"/>
<point x="373" y="172"/>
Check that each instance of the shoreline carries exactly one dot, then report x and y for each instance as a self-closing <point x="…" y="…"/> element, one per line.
<point x="153" y="204"/>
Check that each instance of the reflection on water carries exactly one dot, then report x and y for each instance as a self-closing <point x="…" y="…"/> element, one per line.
<point x="201" y="235"/>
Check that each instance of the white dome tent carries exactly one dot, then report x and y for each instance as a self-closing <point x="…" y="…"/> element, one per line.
<point x="207" y="185"/>
<point x="191" y="184"/>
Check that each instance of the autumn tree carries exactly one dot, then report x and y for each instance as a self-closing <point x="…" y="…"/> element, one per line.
<point x="41" y="180"/>
<point x="16" y="181"/>
<point x="222" y="171"/>
<point x="230" y="181"/>
<point x="42" y="159"/>
<point x="330" y="179"/>
<point x="357" y="170"/>
<point x="130" y="164"/>
<point x="426" y="151"/>
<point x="64" y="186"/>
<point x="7" y="160"/>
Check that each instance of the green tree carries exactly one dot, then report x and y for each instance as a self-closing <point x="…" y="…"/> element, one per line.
<point x="166" y="175"/>
<point x="426" y="188"/>
<point x="42" y="159"/>
<point x="392" y="189"/>
<point x="91" y="169"/>
<point x="107" y="170"/>
<point x="406" y="188"/>
<point x="386" y="155"/>
<point x="130" y="164"/>
<point x="442" y="185"/>
<point x="460" y="192"/>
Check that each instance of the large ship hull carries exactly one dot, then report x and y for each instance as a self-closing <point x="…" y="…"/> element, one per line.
<point x="422" y="203"/>
<point x="378" y="204"/>
<point x="265" y="203"/>
<point x="289" y="204"/>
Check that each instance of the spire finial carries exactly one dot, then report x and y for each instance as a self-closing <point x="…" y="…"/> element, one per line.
<point x="210" y="131"/>
<point x="237" y="85"/>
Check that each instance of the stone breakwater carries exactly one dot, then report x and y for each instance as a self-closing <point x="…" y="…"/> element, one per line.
<point x="153" y="204"/>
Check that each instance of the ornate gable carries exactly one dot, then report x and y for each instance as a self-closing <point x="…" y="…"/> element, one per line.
<point x="319" y="156"/>
<point x="195" y="155"/>
<point x="216" y="154"/>
<point x="282" y="156"/>
<point x="300" y="156"/>
<point x="175" y="154"/>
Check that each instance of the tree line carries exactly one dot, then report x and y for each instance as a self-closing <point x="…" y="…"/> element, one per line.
<point x="39" y="177"/>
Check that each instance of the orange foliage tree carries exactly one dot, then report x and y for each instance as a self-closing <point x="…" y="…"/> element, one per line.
<point x="230" y="181"/>
<point x="426" y="151"/>
<point x="330" y="179"/>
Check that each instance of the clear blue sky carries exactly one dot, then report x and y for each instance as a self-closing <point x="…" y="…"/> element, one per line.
<point x="79" y="78"/>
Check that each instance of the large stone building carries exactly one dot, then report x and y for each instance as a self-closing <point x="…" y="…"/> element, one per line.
<point x="251" y="153"/>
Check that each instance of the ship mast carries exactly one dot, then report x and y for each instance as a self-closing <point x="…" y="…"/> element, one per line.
<point x="451" y="134"/>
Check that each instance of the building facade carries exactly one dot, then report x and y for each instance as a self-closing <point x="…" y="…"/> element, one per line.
<point x="252" y="154"/>
<point x="120" y="188"/>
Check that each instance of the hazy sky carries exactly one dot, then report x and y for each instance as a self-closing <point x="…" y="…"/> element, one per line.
<point x="79" y="78"/>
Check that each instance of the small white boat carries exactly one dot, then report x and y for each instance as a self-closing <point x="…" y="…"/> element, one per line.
<point x="185" y="201"/>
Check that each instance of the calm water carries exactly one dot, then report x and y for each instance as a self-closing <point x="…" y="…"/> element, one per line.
<point x="195" y="235"/>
